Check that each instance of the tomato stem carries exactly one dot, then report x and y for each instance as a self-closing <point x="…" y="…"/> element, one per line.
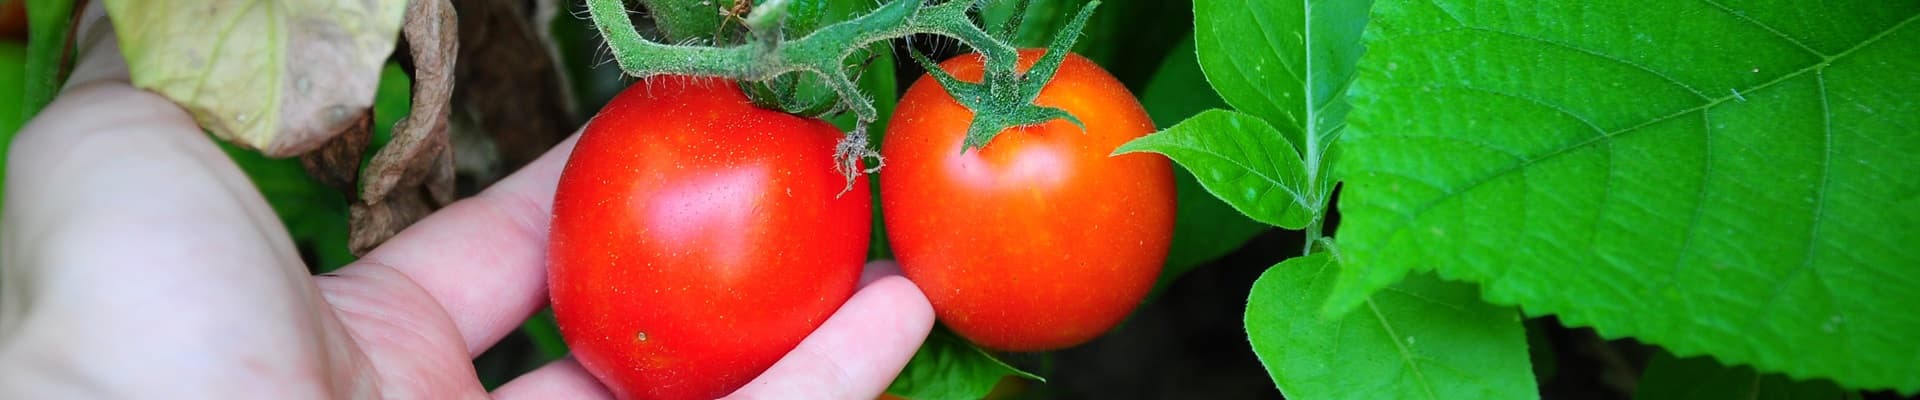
<point x="1003" y="100"/>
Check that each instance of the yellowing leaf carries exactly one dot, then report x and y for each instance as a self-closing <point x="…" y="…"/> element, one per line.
<point x="280" y="76"/>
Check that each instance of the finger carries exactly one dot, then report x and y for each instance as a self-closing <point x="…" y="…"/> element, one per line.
<point x="130" y="235"/>
<point x="110" y="167"/>
<point x="97" y="53"/>
<point x="561" y="379"/>
<point x="859" y="350"/>
<point x="482" y="259"/>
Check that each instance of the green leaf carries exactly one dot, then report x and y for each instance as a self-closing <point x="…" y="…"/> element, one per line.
<point x="12" y="63"/>
<point x="700" y="21"/>
<point x="1700" y="378"/>
<point x="1239" y="159"/>
<point x="1179" y="90"/>
<point x="1288" y="63"/>
<point x="580" y="51"/>
<point x="1204" y="228"/>
<point x="947" y="367"/>
<point x="1117" y="38"/>
<point x="280" y="76"/>
<point x="314" y="214"/>
<point x="545" y="334"/>
<point x="391" y="103"/>
<point x="1423" y="338"/>
<point x="1715" y="177"/>
<point x="1038" y="24"/>
<point x="48" y="23"/>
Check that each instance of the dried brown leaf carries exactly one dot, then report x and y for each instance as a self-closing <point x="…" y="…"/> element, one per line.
<point x="413" y="174"/>
<point x="337" y="163"/>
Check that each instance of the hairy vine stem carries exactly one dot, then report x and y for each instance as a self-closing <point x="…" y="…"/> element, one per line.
<point x="1003" y="100"/>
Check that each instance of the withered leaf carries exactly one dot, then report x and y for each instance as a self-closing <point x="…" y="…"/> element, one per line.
<point x="511" y="88"/>
<point x="413" y="174"/>
<point x="336" y="163"/>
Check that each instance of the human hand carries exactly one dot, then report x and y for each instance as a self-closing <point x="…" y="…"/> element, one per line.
<point x="136" y="260"/>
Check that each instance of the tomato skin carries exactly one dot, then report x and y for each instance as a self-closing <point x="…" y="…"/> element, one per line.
<point x="1039" y="240"/>
<point x="696" y="239"/>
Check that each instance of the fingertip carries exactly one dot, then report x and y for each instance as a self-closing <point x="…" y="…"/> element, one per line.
<point x="900" y="295"/>
<point x="859" y="350"/>
<point x="560" y="379"/>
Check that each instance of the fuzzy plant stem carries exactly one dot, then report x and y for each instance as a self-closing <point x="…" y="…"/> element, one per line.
<point x="1004" y="99"/>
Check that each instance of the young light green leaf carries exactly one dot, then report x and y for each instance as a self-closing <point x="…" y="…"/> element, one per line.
<point x="1700" y="378"/>
<point x="1421" y="339"/>
<point x="280" y="76"/>
<point x="1734" y="179"/>
<point x="947" y="367"/>
<point x="1239" y="159"/>
<point x="1289" y="63"/>
<point x="1204" y="228"/>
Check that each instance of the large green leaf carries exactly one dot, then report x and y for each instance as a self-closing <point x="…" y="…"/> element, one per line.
<point x="1716" y="177"/>
<point x="1204" y="228"/>
<point x="1421" y="339"/>
<point x="1239" y="159"/>
<point x="1288" y="63"/>
<point x="1700" y="378"/>
<point x="947" y="367"/>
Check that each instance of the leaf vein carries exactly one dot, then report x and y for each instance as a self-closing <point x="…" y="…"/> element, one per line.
<point x="1236" y="162"/>
<point x="1310" y="159"/>
<point x="1670" y="79"/>
<point x="1423" y="298"/>
<point x="1453" y="194"/>
<point x="1268" y="40"/>
<point x="1699" y="207"/>
<point x="1776" y="32"/>
<point x="1405" y="354"/>
<point x="1543" y="103"/>
<point x="1449" y="12"/>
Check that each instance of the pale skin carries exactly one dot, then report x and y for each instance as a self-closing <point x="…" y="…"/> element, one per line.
<point x="136" y="260"/>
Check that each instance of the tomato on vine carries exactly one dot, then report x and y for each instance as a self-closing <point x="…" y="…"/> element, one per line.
<point x="1039" y="240"/>
<point x="696" y="239"/>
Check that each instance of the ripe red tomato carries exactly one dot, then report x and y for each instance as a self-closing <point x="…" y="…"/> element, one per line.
<point x="696" y="239"/>
<point x="1038" y="240"/>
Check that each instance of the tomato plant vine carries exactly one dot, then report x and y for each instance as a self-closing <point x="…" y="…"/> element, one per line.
<point x="1002" y="100"/>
